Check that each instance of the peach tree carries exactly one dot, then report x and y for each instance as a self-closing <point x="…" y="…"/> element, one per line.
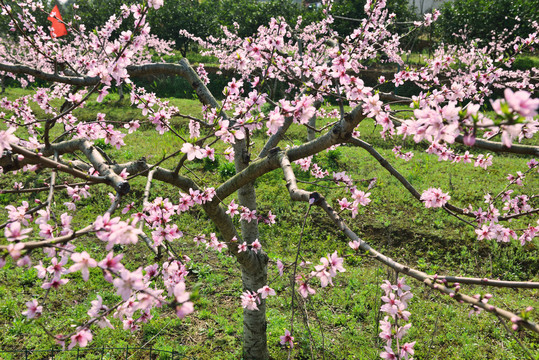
<point x="315" y="65"/>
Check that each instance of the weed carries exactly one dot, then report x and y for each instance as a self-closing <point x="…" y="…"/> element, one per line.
<point x="210" y="165"/>
<point x="227" y="170"/>
<point x="100" y="143"/>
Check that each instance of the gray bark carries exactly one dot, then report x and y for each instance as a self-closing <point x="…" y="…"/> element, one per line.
<point x="311" y="134"/>
<point x="254" y="322"/>
<point x="254" y="277"/>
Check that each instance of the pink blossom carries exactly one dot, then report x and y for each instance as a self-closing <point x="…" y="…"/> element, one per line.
<point x="184" y="309"/>
<point x="386" y="327"/>
<point x="81" y="339"/>
<point x="354" y="245"/>
<point x="180" y="294"/>
<point x="249" y="300"/>
<point x="388" y="354"/>
<point x="7" y="137"/>
<point x="256" y="246"/>
<point x="47" y="231"/>
<point x="434" y="197"/>
<point x="242" y="247"/>
<point x="82" y="261"/>
<point x="41" y="271"/>
<point x="344" y="204"/>
<point x="14" y="232"/>
<point x="247" y="214"/>
<point x="287" y="338"/>
<point x="33" y="309"/>
<point x="57" y="268"/>
<point x="128" y="282"/>
<point x="25" y="261"/>
<point x="401" y="286"/>
<point x="280" y="266"/>
<point x="70" y="206"/>
<point x="229" y="154"/>
<point x="271" y="218"/>
<point x="305" y="290"/>
<point x="122" y="233"/>
<point x="192" y="151"/>
<point x="484" y="233"/>
<point x="275" y="121"/>
<point x="361" y="197"/>
<point x="266" y="291"/>
<point x="209" y="153"/>
<point x="111" y="262"/>
<point x="55" y="283"/>
<point x="232" y="209"/>
<point x="521" y="102"/>
<point x="97" y="307"/>
<point x="14" y="250"/>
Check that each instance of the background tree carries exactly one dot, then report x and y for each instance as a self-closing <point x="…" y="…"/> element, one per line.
<point x="486" y="20"/>
<point x="201" y="18"/>
<point x="355" y="9"/>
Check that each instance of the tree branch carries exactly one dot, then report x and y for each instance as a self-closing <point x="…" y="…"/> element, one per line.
<point x="302" y="195"/>
<point x="499" y="147"/>
<point x="490" y="282"/>
<point x="339" y="133"/>
<point x="106" y="175"/>
<point x="143" y="235"/>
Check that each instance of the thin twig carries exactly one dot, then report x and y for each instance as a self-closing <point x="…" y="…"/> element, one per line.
<point x="526" y="350"/>
<point x="294" y="274"/>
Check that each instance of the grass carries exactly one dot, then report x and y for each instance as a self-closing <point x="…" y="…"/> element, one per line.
<point x="344" y="317"/>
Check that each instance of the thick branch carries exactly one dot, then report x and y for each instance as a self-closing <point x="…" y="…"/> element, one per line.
<point x="106" y="175"/>
<point x="33" y="158"/>
<point x="182" y="69"/>
<point x="295" y="193"/>
<point x="274" y="140"/>
<point x="339" y="133"/>
<point x="395" y="99"/>
<point x="490" y="282"/>
<point x="495" y="146"/>
<point x="72" y="80"/>
<point x="499" y="147"/>
<point x="213" y="209"/>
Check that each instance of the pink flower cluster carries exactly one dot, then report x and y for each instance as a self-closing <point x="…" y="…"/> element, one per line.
<point x="395" y="298"/>
<point x="331" y="264"/>
<point x="250" y="299"/>
<point x="434" y="197"/>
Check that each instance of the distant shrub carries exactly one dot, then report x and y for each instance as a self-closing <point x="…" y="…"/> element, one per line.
<point x="485" y="19"/>
<point x="211" y="165"/>
<point x="100" y="143"/>
<point x="227" y="170"/>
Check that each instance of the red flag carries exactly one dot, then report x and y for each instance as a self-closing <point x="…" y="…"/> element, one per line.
<point x="58" y="28"/>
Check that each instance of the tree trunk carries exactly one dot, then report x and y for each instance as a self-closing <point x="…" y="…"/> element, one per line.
<point x="311" y="134"/>
<point x="254" y="322"/>
<point x="254" y="277"/>
<point x="120" y="92"/>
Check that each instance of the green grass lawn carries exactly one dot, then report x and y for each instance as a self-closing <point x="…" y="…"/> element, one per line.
<point x="340" y="322"/>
